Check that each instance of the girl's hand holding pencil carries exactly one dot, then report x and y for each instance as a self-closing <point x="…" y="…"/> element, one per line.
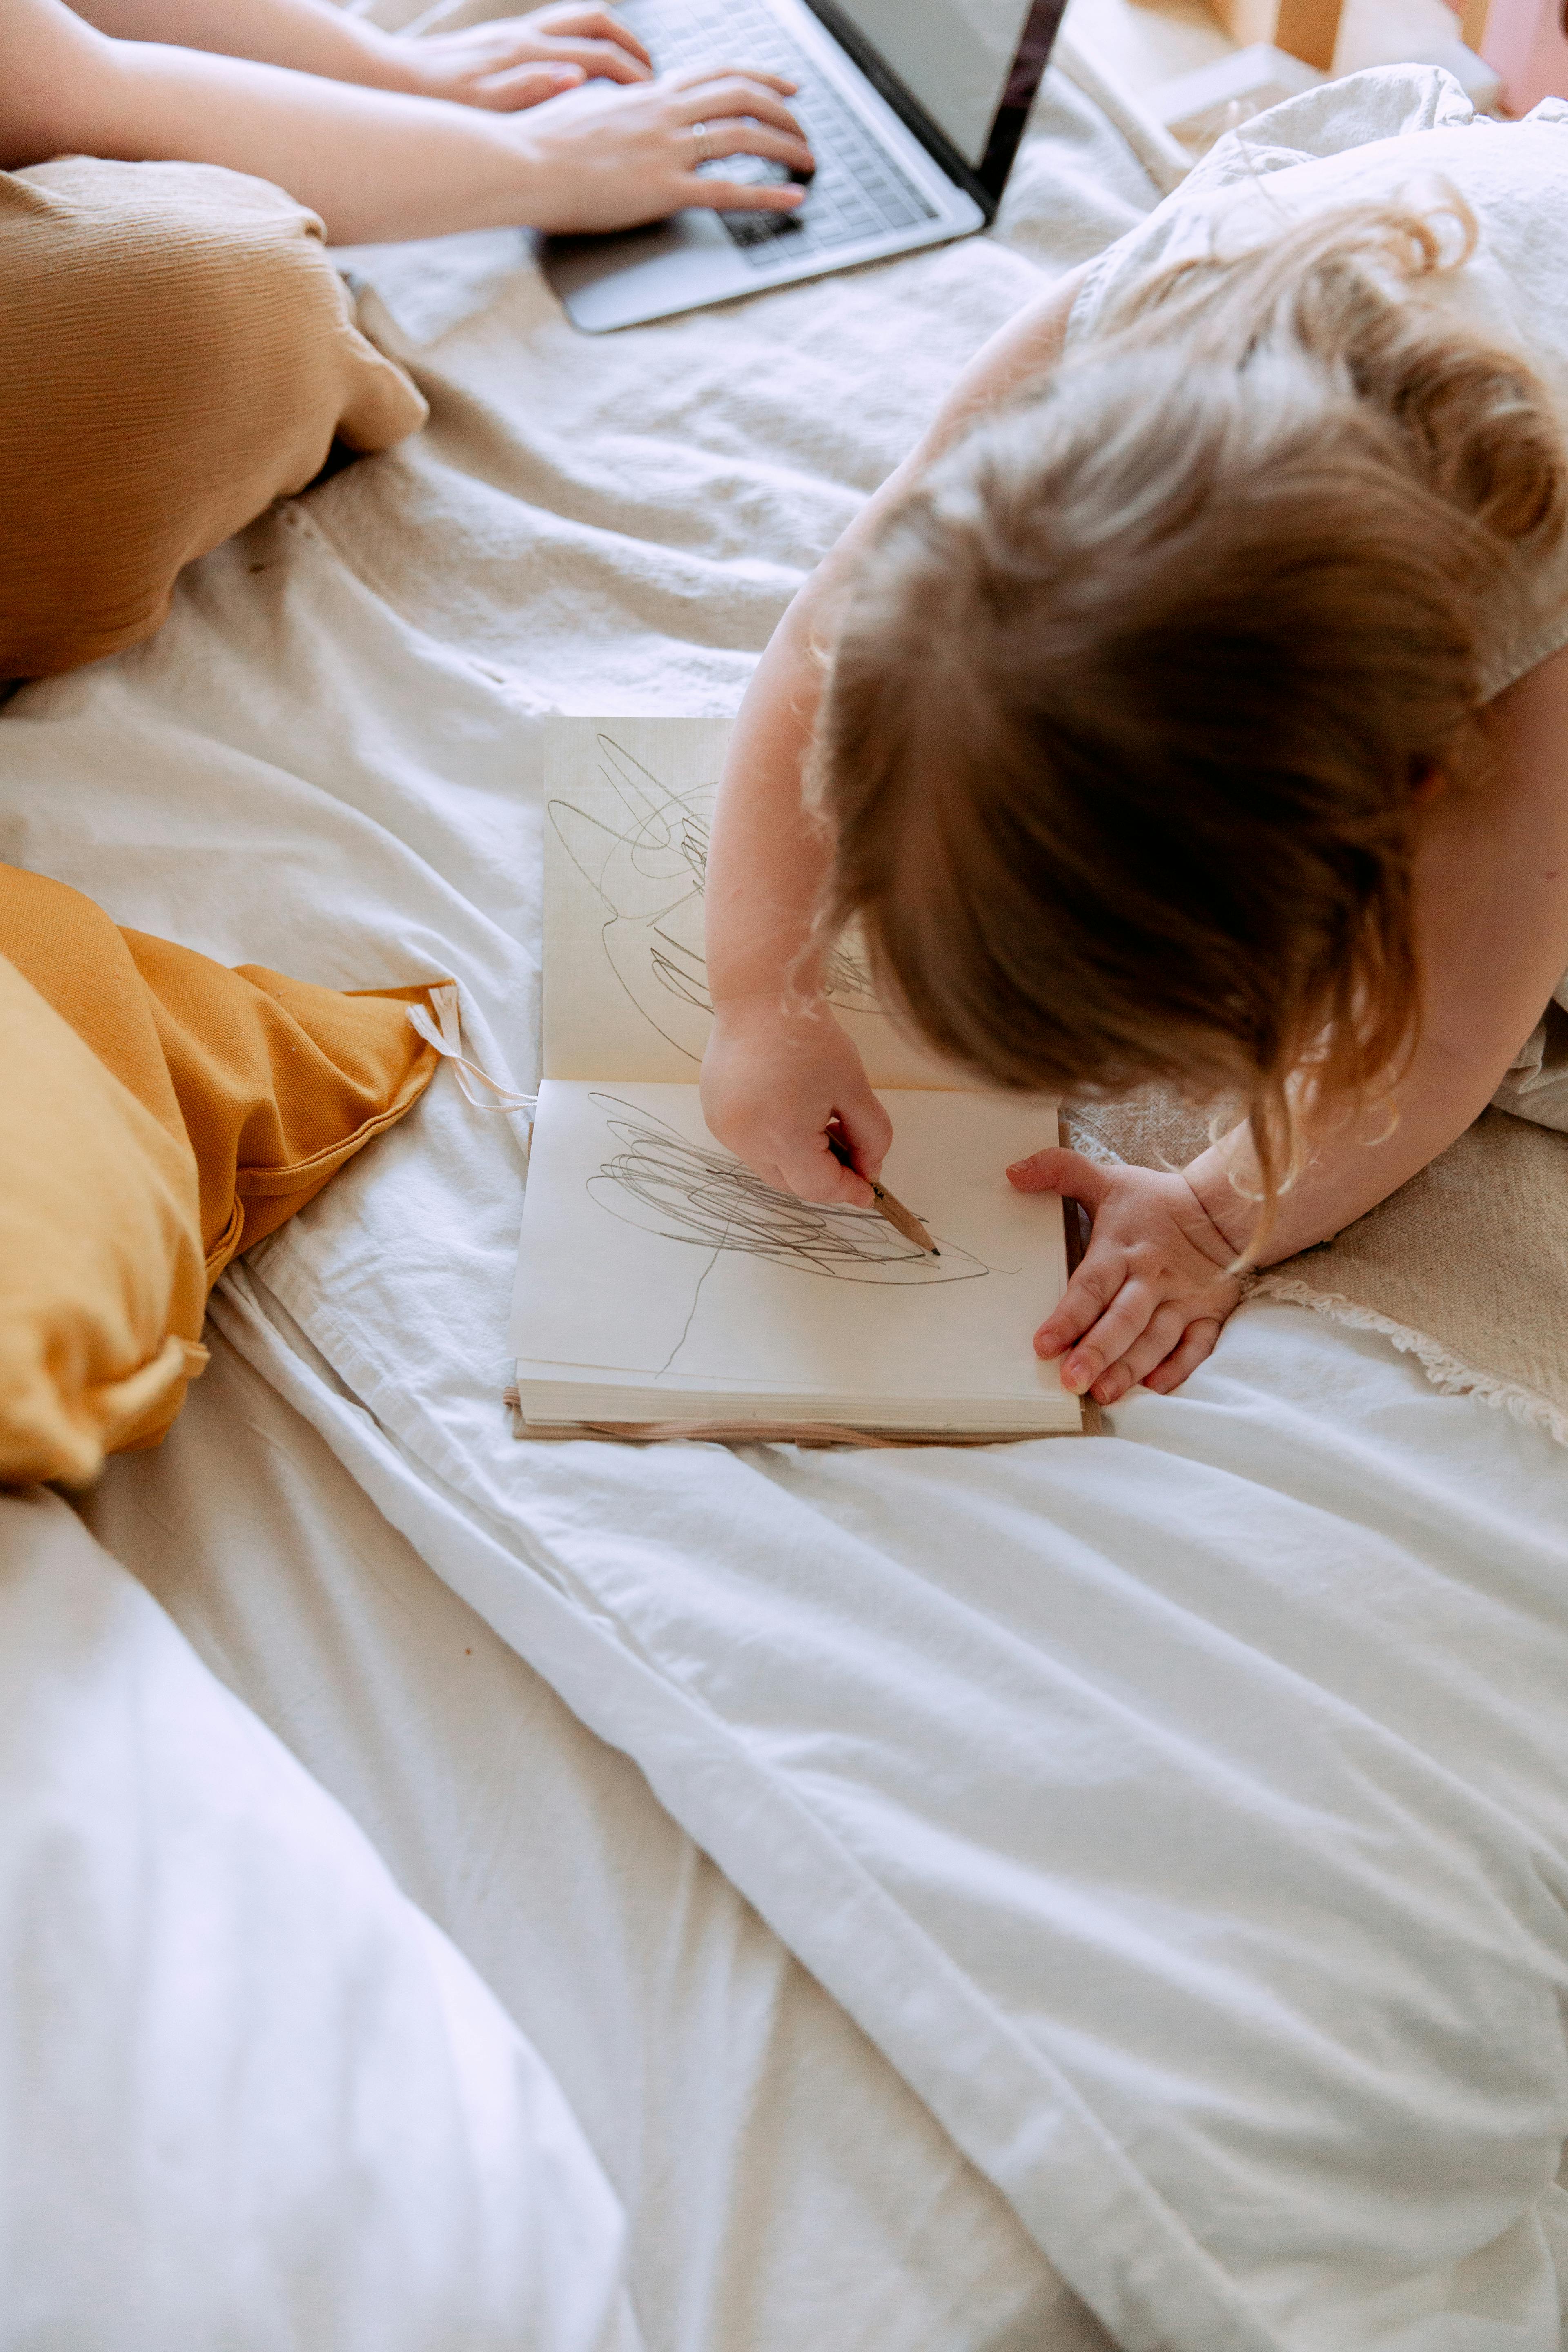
<point x="779" y="1079"/>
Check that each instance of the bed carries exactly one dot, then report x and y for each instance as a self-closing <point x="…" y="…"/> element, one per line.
<point x="1108" y="1890"/>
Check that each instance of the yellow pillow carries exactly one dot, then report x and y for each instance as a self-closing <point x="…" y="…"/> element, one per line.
<point x="102" y="1283"/>
<point x="248" y="1091"/>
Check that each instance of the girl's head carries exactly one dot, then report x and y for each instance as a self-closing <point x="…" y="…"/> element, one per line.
<point x="1127" y="726"/>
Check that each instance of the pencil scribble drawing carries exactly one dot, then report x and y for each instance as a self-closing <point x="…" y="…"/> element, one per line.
<point x="649" y="866"/>
<point x="694" y="1192"/>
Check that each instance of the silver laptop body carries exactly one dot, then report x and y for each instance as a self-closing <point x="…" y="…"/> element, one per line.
<point x="898" y="166"/>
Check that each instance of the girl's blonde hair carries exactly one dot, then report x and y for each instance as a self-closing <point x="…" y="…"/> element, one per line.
<point x="1124" y="729"/>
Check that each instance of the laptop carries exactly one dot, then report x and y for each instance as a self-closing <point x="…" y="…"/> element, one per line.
<point x="914" y="110"/>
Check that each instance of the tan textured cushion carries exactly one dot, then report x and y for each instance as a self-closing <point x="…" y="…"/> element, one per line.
<point x="176" y="350"/>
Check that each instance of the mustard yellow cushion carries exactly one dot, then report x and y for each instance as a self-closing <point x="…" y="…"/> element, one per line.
<point x="239" y="1093"/>
<point x="102" y="1287"/>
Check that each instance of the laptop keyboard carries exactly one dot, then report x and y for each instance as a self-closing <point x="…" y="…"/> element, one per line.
<point x="859" y="191"/>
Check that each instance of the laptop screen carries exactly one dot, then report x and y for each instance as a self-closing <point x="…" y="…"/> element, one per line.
<point x="956" y="57"/>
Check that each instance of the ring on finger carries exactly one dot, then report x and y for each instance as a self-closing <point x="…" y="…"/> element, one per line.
<point x="705" y="150"/>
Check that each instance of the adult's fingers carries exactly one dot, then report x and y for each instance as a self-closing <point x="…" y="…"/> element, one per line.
<point x="605" y="60"/>
<point x="525" y="86"/>
<point x="732" y="138"/>
<point x="602" y="60"/>
<point x="1197" y="1342"/>
<point x="593" y="24"/>
<point x="735" y="99"/>
<point x="728" y="89"/>
<point x="739" y="195"/>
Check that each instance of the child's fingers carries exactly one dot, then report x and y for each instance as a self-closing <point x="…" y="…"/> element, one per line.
<point x="1125" y="1322"/>
<point x="1197" y="1342"/>
<point x="1056" y="1170"/>
<point x="812" y="1173"/>
<point x="1164" y="1331"/>
<point x="1082" y="1303"/>
<point x="866" y="1129"/>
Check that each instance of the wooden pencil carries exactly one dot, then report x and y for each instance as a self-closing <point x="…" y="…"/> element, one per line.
<point x="903" y="1221"/>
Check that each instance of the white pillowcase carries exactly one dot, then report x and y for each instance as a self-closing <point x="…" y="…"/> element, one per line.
<point x="250" y="2099"/>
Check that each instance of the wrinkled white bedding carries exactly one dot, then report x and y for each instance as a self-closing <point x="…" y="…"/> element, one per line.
<point x="249" y="2097"/>
<point x="782" y="2186"/>
<point x="1182" y="1812"/>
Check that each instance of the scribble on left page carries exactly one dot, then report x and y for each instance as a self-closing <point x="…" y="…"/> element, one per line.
<point x="694" y="1192"/>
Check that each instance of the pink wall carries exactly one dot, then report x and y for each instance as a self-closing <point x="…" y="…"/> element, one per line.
<point x="1524" y="40"/>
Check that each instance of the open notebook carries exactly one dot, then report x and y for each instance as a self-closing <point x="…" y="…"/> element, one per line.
<point x="662" y="1290"/>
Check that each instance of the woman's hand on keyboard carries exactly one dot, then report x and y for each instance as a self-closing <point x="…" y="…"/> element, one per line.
<point x="611" y="157"/>
<point x="518" y="61"/>
<point x="379" y="164"/>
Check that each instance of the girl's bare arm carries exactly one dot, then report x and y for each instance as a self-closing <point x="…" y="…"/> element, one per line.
<point x="778" y="1066"/>
<point x="1492" y="940"/>
<point x="376" y="165"/>
<point x="1153" y="1292"/>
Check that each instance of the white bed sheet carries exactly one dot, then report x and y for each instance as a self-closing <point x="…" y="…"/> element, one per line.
<point x="783" y="2185"/>
<point x="250" y="2097"/>
<point x="1181" y="1812"/>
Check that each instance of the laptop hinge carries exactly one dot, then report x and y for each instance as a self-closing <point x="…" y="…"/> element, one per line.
<point x="985" y="185"/>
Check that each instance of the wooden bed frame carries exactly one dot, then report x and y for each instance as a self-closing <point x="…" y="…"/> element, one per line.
<point x="1308" y="28"/>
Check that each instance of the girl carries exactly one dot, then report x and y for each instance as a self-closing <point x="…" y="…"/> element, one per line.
<point x="1164" y="733"/>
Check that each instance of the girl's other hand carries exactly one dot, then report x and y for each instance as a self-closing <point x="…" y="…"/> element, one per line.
<point x="773" y="1080"/>
<point x="613" y="158"/>
<point x="518" y="61"/>
<point x="1150" y="1297"/>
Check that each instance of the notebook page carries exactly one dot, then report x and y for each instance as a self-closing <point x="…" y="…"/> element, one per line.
<point x="652" y="1260"/>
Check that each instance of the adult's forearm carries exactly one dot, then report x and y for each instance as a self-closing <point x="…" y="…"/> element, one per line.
<point x="375" y="165"/>
<point x="311" y="36"/>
